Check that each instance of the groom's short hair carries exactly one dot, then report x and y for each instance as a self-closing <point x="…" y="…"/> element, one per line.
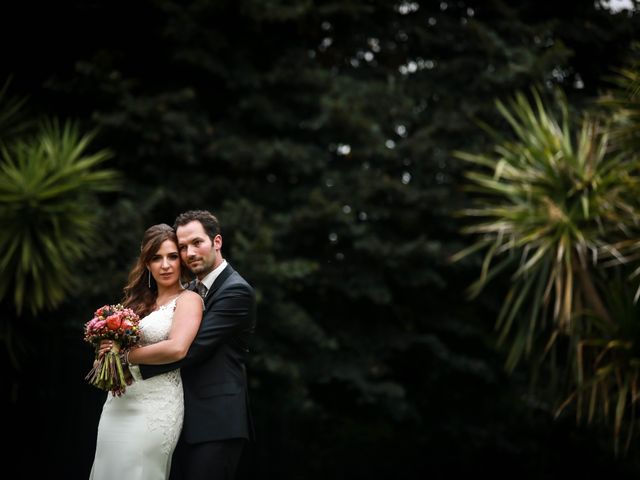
<point x="207" y="219"/>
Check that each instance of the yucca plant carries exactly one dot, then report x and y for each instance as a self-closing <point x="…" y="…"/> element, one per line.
<point x="608" y="359"/>
<point x="48" y="187"/>
<point x="553" y="201"/>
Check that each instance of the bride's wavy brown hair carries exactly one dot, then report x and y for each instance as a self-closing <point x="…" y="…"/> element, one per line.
<point x="141" y="291"/>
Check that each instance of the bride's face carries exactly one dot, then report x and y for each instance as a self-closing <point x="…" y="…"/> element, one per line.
<point x="165" y="264"/>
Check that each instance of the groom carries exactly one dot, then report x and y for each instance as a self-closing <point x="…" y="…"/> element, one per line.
<point x="217" y="418"/>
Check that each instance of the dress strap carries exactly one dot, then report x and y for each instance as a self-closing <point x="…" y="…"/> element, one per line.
<point x="175" y="299"/>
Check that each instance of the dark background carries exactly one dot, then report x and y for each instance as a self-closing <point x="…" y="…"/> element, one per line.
<point x="321" y="133"/>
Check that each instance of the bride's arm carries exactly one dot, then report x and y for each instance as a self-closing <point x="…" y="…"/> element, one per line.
<point x="186" y="321"/>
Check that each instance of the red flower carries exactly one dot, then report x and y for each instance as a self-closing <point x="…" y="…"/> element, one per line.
<point x="114" y="321"/>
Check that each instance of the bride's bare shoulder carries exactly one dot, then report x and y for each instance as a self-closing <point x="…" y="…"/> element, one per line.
<point x="188" y="297"/>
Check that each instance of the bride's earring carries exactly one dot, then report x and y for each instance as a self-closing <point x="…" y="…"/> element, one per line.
<point x="149" y="271"/>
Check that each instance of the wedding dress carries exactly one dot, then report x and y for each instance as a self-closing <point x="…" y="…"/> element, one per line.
<point x="139" y="430"/>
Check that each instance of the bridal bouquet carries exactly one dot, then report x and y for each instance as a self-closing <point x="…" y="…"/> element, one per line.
<point x="111" y="322"/>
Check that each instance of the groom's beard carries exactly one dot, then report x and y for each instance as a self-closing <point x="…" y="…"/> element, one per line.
<point x="201" y="269"/>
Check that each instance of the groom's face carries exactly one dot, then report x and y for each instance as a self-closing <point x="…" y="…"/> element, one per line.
<point x="198" y="252"/>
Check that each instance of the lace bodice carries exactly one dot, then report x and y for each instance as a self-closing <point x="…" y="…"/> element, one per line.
<point x="156" y="326"/>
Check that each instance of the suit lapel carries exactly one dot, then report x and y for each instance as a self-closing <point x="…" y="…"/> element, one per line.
<point x="220" y="279"/>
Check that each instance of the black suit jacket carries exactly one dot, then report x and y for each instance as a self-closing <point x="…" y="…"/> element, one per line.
<point x="216" y="399"/>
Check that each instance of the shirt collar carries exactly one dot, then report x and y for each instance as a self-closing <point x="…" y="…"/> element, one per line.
<point x="213" y="274"/>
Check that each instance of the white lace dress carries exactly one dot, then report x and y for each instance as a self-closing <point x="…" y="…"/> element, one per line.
<point x="139" y="430"/>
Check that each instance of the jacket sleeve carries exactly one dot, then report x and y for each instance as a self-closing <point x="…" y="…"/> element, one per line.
<point x="231" y="314"/>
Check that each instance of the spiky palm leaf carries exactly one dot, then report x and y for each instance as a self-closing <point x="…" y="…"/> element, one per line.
<point x="47" y="212"/>
<point x="607" y="376"/>
<point x="553" y="206"/>
<point x="550" y="201"/>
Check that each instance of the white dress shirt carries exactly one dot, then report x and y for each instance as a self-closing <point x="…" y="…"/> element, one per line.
<point x="213" y="274"/>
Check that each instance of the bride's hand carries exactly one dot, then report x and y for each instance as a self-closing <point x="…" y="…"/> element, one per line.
<point x="105" y="346"/>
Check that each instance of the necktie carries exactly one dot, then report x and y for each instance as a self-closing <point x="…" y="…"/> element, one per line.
<point x="202" y="289"/>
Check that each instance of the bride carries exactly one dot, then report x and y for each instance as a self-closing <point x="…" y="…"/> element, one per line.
<point x="139" y="430"/>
